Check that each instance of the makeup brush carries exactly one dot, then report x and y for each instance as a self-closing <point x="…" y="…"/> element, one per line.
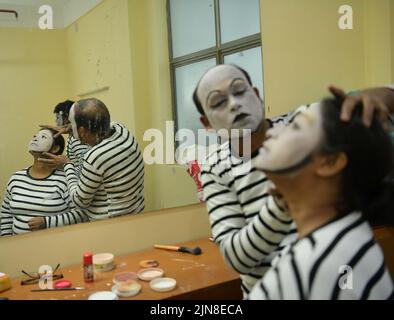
<point x="59" y="289"/>
<point x="195" y="251"/>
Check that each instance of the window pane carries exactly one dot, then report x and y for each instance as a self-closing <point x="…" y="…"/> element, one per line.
<point x="192" y="26"/>
<point x="239" y="19"/>
<point x="251" y="61"/>
<point x="186" y="79"/>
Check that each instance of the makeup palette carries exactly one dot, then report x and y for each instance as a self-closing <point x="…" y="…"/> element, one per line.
<point x="122" y="277"/>
<point x="163" y="284"/>
<point x="149" y="274"/>
<point x="103" y="295"/>
<point x="127" y="289"/>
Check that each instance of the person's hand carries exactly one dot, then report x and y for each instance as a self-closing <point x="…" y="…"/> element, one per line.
<point x="36" y="223"/>
<point x="54" y="161"/>
<point x="66" y="129"/>
<point x="376" y="99"/>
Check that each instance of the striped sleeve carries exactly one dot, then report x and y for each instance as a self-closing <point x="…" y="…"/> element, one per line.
<point x="72" y="216"/>
<point x="243" y="244"/>
<point x="83" y="190"/>
<point x="6" y="218"/>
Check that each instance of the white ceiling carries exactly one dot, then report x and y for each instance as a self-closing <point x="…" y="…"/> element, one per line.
<point x="65" y="12"/>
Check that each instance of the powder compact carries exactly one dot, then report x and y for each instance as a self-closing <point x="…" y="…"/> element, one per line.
<point x="163" y="284"/>
<point x="149" y="274"/>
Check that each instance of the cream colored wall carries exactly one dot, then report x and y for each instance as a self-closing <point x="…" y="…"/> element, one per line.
<point x="99" y="56"/>
<point x="304" y="51"/>
<point x="33" y="77"/>
<point x="123" y="44"/>
<point x="168" y="185"/>
<point x="377" y="42"/>
<point x="120" y="236"/>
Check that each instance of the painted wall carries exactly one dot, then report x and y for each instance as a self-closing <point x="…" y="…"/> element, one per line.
<point x="168" y="185"/>
<point x="304" y="51"/>
<point x="33" y="77"/>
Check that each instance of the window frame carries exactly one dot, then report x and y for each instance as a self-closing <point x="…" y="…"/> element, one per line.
<point x="219" y="51"/>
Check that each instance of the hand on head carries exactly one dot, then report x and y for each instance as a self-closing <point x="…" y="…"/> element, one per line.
<point x="66" y="129"/>
<point x="371" y="99"/>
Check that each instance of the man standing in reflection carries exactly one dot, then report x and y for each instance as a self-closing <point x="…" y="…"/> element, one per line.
<point x="111" y="182"/>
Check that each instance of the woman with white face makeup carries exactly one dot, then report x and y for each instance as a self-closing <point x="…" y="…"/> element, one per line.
<point x="38" y="192"/>
<point x="333" y="176"/>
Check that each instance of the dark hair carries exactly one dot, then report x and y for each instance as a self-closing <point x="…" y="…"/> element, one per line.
<point x="197" y="101"/>
<point x="365" y="179"/>
<point x="93" y="115"/>
<point x="64" y="107"/>
<point x="58" y="141"/>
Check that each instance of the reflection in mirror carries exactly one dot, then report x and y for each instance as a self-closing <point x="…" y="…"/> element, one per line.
<point x="68" y="51"/>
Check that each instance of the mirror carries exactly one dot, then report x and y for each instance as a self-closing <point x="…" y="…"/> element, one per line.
<point x="57" y="50"/>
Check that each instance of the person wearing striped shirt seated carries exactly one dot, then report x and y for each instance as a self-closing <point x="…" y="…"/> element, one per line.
<point x="38" y="191"/>
<point x="333" y="176"/>
<point x="248" y="223"/>
<point x="111" y="182"/>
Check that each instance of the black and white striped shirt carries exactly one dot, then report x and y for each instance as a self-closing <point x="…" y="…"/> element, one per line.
<point x="245" y="220"/>
<point x="111" y="182"/>
<point x="339" y="260"/>
<point x="27" y="197"/>
<point x="75" y="152"/>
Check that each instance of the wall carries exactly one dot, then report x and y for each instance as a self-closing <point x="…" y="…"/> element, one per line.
<point x="168" y="185"/>
<point x="377" y="42"/>
<point x="304" y="51"/>
<point x="33" y="77"/>
<point x="120" y="236"/>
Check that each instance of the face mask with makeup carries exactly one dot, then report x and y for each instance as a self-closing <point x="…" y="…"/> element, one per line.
<point x="42" y="142"/>
<point x="230" y="103"/>
<point x="289" y="148"/>
<point x="60" y="118"/>
<point x="71" y="118"/>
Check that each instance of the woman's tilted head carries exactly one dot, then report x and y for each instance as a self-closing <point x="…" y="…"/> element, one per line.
<point x="44" y="141"/>
<point x="350" y="160"/>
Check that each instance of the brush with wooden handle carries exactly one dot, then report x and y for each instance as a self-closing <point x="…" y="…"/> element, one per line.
<point x="195" y="251"/>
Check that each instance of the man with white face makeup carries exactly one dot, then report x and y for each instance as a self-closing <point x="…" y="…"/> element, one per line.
<point x="37" y="197"/>
<point x="111" y="182"/>
<point x="246" y="221"/>
<point x="334" y="184"/>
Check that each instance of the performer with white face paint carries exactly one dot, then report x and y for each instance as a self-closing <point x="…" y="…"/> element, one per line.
<point x="37" y="197"/>
<point x="75" y="150"/>
<point x="111" y="182"/>
<point x="334" y="184"/>
<point x="249" y="224"/>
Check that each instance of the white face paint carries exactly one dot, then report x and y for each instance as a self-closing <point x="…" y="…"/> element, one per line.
<point x="289" y="147"/>
<point x="42" y="141"/>
<point x="71" y="118"/>
<point x="229" y="101"/>
<point x="59" y="118"/>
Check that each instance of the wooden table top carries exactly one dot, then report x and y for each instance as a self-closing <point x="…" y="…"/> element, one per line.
<point x="205" y="273"/>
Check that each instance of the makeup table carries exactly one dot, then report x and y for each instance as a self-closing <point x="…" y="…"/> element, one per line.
<point x="202" y="277"/>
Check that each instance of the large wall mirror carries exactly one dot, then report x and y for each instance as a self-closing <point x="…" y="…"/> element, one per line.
<point x="113" y="50"/>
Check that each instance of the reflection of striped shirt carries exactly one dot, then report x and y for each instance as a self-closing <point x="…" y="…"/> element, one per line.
<point x="245" y="220"/>
<point x="75" y="152"/>
<point x="112" y="177"/>
<point x="27" y="197"/>
<point x="340" y="260"/>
